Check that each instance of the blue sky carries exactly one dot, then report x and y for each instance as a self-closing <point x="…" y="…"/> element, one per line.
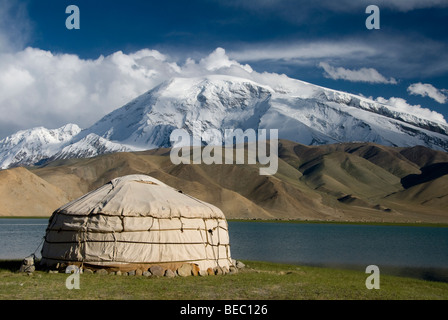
<point x="323" y="42"/>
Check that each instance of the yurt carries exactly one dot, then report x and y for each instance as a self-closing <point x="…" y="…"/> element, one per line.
<point x="135" y="222"/>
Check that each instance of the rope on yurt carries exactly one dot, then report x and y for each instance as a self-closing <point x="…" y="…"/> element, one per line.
<point x="210" y="230"/>
<point x="219" y="240"/>
<point x="226" y="245"/>
<point x="160" y="247"/>
<point x="79" y="247"/>
<point x="202" y="238"/>
<point x="80" y="243"/>
<point x="114" y="252"/>
<point x="211" y="242"/>
<point x="41" y="242"/>
<point x="217" y="228"/>
<point x="181" y="224"/>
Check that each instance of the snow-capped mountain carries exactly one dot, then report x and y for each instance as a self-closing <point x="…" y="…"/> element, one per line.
<point x="215" y="102"/>
<point x="306" y="114"/>
<point x="90" y="146"/>
<point x="302" y="112"/>
<point x="28" y="147"/>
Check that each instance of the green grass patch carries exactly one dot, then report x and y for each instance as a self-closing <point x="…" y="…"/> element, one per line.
<point x="258" y="281"/>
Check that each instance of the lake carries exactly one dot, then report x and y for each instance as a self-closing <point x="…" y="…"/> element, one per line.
<point x="420" y="251"/>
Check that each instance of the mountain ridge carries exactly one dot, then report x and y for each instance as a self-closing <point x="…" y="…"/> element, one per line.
<point x="349" y="182"/>
<point x="302" y="112"/>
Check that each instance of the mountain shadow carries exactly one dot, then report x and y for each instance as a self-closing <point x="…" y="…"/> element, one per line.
<point x="428" y="173"/>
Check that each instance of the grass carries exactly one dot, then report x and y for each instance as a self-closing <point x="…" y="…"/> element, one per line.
<point x="258" y="281"/>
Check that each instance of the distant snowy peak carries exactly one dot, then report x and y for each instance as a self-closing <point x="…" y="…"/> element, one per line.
<point x="40" y="145"/>
<point x="90" y="146"/>
<point x="42" y="135"/>
<point x="28" y="147"/>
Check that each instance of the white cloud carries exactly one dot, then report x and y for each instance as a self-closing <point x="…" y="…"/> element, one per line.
<point x="39" y="88"/>
<point x="14" y="81"/>
<point x="428" y="90"/>
<point x="308" y="51"/>
<point x="219" y="59"/>
<point x="401" y="105"/>
<point x="369" y="75"/>
<point x="403" y="56"/>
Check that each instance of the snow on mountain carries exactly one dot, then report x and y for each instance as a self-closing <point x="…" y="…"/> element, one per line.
<point x="302" y="112"/>
<point x="28" y="147"/>
<point x="216" y="102"/>
<point x="90" y="146"/>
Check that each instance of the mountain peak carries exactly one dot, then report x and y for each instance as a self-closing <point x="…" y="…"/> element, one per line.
<point x="27" y="147"/>
<point x="302" y="113"/>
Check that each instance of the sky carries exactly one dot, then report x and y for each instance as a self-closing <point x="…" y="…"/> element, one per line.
<point x="51" y="75"/>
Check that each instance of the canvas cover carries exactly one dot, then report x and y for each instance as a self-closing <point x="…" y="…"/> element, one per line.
<point x="137" y="220"/>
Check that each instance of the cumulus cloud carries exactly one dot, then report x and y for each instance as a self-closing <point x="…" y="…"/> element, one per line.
<point x="428" y="90"/>
<point x="219" y="59"/>
<point x="369" y="75"/>
<point x="402" y="105"/>
<point x="40" y="88"/>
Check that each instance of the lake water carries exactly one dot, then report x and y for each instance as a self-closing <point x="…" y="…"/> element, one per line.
<point x="418" y="249"/>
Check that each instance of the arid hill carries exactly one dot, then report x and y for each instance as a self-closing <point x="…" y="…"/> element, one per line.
<point x="338" y="182"/>
<point x="23" y="193"/>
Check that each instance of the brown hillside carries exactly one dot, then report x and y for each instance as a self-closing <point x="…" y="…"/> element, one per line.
<point x="345" y="182"/>
<point x="22" y="193"/>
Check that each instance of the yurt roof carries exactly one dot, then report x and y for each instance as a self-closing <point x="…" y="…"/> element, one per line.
<point x="140" y="195"/>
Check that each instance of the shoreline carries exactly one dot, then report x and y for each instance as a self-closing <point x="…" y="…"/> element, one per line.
<point x="404" y="224"/>
<point x="23" y="217"/>
<point x="297" y="221"/>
